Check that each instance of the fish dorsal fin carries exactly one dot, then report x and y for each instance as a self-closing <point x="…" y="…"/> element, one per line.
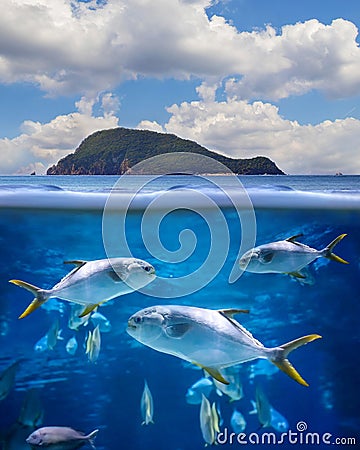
<point x="77" y="262"/>
<point x="239" y="327"/>
<point x="78" y="265"/>
<point x="178" y="330"/>
<point x="230" y="313"/>
<point x="293" y="238"/>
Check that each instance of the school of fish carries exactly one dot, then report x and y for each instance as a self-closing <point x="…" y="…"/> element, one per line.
<point x="211" y="340"/>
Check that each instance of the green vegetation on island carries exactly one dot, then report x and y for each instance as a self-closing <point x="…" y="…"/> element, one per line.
<point x="118" y="150"/>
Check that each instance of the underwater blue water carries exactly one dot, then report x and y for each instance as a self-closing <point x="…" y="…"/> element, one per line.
<point x="36" y="238"/>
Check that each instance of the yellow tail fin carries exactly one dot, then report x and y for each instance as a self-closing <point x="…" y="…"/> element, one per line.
<point x="39" y="299"/>
<point x="281" y="361"/>
<point x="328" y="250"/>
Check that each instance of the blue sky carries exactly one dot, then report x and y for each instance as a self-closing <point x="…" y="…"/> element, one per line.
<point x="241" y="77"/>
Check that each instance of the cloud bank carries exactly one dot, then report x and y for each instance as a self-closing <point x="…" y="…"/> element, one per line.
<point x="85" y="48"/>
<point x="240" y="129"/>
<point x="65" y="46"/>
<point x="42" y="145"/>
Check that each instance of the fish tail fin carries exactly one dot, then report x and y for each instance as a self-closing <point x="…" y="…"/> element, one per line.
<point x="39" y="294"/>
<point x="328" y="250"/>
<point x="281" y="361"/>
<point x="91" y="437"/>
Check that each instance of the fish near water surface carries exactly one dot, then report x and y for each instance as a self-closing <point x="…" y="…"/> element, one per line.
<point x="60" y="438"/>
<point x="287" y="256"/>
<point x="211" y="339"/>
<point x="92" y="283"/>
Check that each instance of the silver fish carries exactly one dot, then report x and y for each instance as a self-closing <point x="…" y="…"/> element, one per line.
<point x="75" y="321"/>
<point x="98" y="319"/>
<point x="53" y="335"/>
<point x="263" y="408"/>
<point x="211" y="339"/>
<point x="60" y="438"/>
<point x="277" y="420"/>
<point x="287" y="256"/>
<point x="7" y="379"/>
<point x="234" y="389"/>
<point x="103" y="278"/>
<point x="237" y="422"/>
<point x="93" y="344"/>
<point x="203" y="386"/>
<point x="41" y="344"/>
<point x="147" y="406"/>
<point x="71" y="346"/>
<point x="207" y="425"/>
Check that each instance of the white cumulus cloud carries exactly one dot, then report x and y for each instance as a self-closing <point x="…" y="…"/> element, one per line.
<point x="41" y="145"/>
<point x="69" y="47"/>
<point x="241" y="129"/>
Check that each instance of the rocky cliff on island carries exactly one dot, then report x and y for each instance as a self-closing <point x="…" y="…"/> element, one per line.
<point x="118" y="150"/>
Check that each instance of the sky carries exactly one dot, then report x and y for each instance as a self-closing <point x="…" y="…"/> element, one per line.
<point x="241" y="77"/>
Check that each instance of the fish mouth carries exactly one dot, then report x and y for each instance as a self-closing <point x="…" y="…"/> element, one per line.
<point x="243" y="263"/>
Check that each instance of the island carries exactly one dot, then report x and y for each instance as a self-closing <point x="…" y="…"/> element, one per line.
<point x="116" y="151"/>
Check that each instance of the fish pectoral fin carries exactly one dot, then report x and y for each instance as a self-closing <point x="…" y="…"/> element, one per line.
<point x="115" y="276"/>
<point x="266" y="256"/>
<point x="232" y="312"/>
<point x="214" y="373"/>
<point x="88" y="309"/>
<point x="178" y="330"/>
<point x="293" y="238"/>
<point x="296" y="275"/>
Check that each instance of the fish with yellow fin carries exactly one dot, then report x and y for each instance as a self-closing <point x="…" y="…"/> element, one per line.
<point x="288" y="256"/>
<point x="104" y="279"/>
<point x="211" y="339"/>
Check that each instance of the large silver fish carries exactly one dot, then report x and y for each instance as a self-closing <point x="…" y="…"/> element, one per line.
<point x="92" y="283"/>
<point x="288" y="256"/>
<point x="211" y="339"/>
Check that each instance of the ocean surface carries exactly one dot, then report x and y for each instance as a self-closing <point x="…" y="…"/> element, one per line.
<point x="193" y="230"/>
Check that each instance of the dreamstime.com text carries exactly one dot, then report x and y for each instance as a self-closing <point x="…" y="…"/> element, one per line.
<point x="299" y="437"/>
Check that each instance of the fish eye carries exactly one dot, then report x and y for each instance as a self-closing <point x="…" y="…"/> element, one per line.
<point x="137" y="319"/>
<point x="147" y="268"/>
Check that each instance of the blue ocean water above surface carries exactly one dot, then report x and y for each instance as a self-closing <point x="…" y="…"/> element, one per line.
<point x="45" y="221"/>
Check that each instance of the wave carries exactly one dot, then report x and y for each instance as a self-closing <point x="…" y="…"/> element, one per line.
<point x="30" y="187"/>
<point x="52" y="197"/>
